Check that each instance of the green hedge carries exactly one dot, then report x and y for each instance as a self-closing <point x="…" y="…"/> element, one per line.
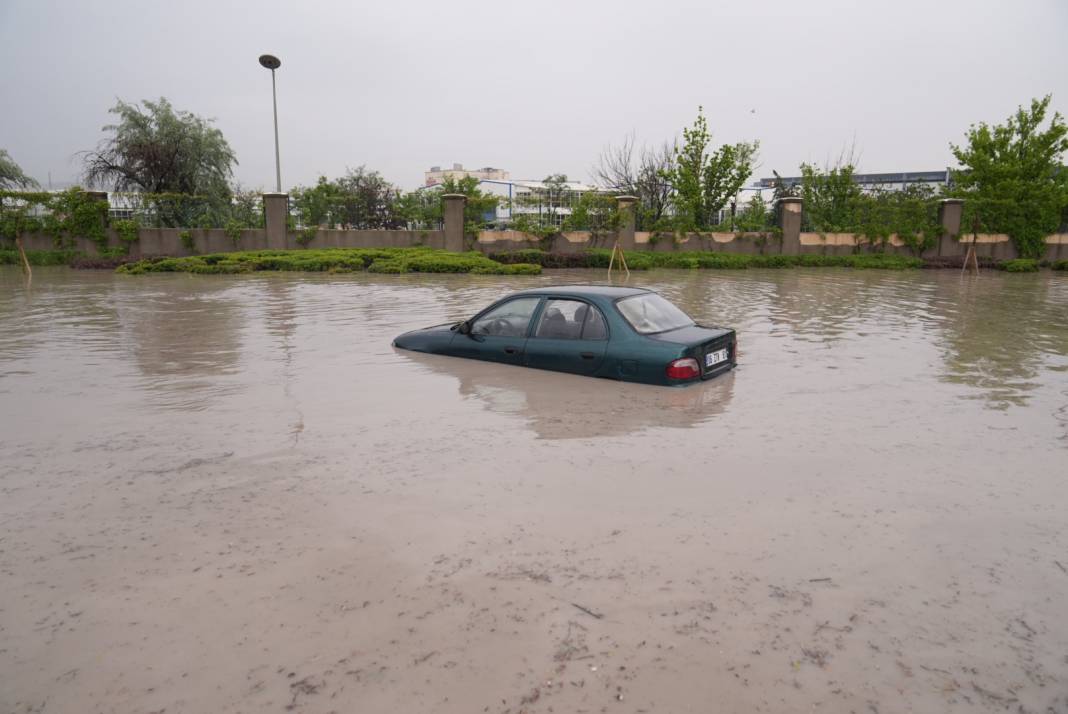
<point x="375" y="260"/>
<point x="1059" y="265"/>
<point x="38" y="257"/>
<point x="641" y="260"/>
<point x="1019" y="265"/>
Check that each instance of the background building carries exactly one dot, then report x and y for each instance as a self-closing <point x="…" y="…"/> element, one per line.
<point x="535" y="199"/>
<point x="436" y="174"/>
<point x="894" y="181"/>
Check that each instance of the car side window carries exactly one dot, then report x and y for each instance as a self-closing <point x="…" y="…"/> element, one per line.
<point x="595" y="327"/>
<point x="570" y="320"/>
<point x="508" y="320"/>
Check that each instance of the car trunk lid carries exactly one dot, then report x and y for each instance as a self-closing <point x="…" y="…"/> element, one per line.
<point x="700" y="342"/>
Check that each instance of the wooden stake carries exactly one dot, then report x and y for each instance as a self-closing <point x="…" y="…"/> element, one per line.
<point x="617" y="251"/>
<point x="22" y="252"/>
<point x="970" y="256"/>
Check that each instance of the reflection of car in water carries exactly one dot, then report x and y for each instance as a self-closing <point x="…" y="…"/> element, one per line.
<point x="556" y="406"/>
<point x="629" y="334"/>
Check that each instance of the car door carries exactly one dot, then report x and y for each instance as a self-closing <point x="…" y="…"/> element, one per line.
<point x="570" y="336"/>
<point x="499" y="333"/>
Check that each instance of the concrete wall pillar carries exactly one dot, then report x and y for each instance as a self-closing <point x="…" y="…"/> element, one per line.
<point x="950" y="211"/>
<point x="453" y="210"/>
<point x="790" y="223"/>
<point x="625" y="236"/>
<point x="276" y="216"/>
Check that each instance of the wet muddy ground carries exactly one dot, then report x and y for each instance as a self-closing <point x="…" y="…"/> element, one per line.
<point x="230" y="494"/>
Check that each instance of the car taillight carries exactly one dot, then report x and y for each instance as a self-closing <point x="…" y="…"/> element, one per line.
<point x="685" y="368"/>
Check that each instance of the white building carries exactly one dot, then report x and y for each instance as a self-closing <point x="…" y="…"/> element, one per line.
<point x="437" y="175"/>
<point x="535" y="199"/>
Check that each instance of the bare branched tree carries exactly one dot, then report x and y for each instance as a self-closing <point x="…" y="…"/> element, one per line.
<point x="638" y="172"/>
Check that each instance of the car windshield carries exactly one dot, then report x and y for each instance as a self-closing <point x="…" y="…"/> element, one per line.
<point x="648" y="313"/>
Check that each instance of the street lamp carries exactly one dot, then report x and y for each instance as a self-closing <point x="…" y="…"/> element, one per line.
<point x="272" y="63"/>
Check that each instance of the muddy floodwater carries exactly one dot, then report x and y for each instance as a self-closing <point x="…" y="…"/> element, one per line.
<point x="231" y="494"/>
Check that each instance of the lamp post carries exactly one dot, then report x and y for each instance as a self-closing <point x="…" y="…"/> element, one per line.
<point x="272" y="63"/>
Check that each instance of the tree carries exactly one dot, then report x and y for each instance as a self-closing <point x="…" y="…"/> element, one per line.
<point x="595" y="212"/>
<point x="316" y="204"/>
<point x="159" y="150"/>
<point x="479" y="203"/>
<point x="1012" y="177"/>
<point x="367" y="200"/>
<point x="423" y="208"/>
<point x="637" y="173"/>
<point x="829" y="196"/>
<point x="547" y="199"/>
<point x="359" y="199"/>
<point x="555" y="189"/>
<point x="704" y="182"/>
<point x="755" y="216"/>
<point x="11" y="175"/>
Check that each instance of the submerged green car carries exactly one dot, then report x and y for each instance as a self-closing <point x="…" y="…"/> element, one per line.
<point x="631" y="334"/>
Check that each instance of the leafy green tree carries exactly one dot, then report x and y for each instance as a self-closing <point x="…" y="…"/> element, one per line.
<point x="359" y="199"/>
<point x="479" y="203"/>
<point x="755" y="216"/>
<point x="156" y="149"/>
<point x="1012" y="177"/>
<point x="705" y="181"/>
<point x="548" y="199"/>
<point x="595" y="212"/>
<point x="911" y="214"/>
<point x="316" y="204"/>
<point x="424" y="208"/>
<point x="367" y="200"/>
<point x="247" y="207"/>
<point x="829" y="196"/>
<point x="11" y="175"/>
<point x="555" y="194"/>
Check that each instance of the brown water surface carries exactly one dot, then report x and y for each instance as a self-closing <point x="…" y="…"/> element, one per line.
<point x="231" y="494"/>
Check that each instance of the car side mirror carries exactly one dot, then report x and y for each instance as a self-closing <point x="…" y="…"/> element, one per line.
<point x="464" y="328"/>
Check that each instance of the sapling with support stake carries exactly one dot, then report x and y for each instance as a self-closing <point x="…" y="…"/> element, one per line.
<point x="617" y="251"/>
<point x="970" y="259"/>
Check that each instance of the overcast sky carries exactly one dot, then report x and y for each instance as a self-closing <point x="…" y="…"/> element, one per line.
<point x="531" y="87"/>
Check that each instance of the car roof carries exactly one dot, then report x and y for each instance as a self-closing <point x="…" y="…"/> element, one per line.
<point x="608" y="291"/>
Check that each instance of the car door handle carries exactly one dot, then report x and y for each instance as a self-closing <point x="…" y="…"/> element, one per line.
<point x="587" y="355"/>
<point x="511" y="350"/>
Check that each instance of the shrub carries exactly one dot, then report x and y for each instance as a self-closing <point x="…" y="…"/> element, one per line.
<point x="1019" y="265"/>
<point x="126" y="230"/>
<point x="388" y="265"/>
<point x="1059" y="265"/>
<point x="233" y="230"/>
<point x="38" y="257"/>
<point x="375" y="260"/>
<point x="643" y="260"/>
<point x="306" y="236"/>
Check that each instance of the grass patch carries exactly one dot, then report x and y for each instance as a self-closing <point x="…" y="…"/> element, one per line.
<point x="706" y="260"/>
<point x="38" y="257"/>
<point x="1019" y="265"/>
<point x="334" y="260"/>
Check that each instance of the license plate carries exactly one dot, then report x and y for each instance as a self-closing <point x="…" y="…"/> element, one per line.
<point x="714" y="358"/>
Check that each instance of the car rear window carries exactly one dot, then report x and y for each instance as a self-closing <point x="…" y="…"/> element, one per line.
<point x="649" y="313"/>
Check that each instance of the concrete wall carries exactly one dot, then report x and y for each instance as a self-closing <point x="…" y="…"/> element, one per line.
<point x="167" y="241"/>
